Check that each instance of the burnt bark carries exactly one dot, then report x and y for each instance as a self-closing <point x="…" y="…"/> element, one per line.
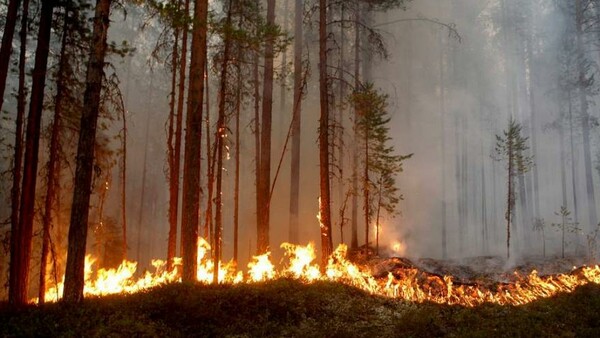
<point x="264" y="178"/>
<point x="21" y="251"/>
<point x="6" y="47"/>
<point x="74" y="274"/>
<point x="191" y="166"/>
<point x="324" y="183"/>
<point x="296" y="123"/>
<point x="18" y="150"/>
<point x="53" y="174"/>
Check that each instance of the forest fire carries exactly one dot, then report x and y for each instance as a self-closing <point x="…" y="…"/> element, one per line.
<point x="408" y="284"/>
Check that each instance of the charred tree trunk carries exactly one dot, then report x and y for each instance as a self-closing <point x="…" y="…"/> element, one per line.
<point x="509" y="201"/>
<point x="354" y="224"/>
<point x="296" y="122"/>
<point x="52" y="174"/>
<point x="210" y="166"/>
<point x="255" y="75"/>
<point x="124" y="187"/>
<point x="142" y="209"/>
<point x="7" y="39"/>
<point x="173" y="175"/>
<point x="236" y="189"/>
<point x="18" y="153"/>
<point x="74" y="274"/>
<point x="21" y="254"/>
<point x="264" y="182"/>
<point x="325" y="198"/>
<point x="191" y="167"/>
<point x="180" y="104"/>
<point x="220" y="135"/>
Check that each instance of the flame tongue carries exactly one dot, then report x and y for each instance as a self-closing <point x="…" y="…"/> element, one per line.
<point x="406" y="283"/>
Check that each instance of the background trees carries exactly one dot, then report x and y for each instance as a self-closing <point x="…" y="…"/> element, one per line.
<point x="367" y="81"/>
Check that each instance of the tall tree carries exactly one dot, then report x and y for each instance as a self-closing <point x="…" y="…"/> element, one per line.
<point x="296" y="122"/>
<point x="74" y="274"/>
<point x="584" y="83"/>
<point x="21" y="247"/>
<point x="191" y="165"/>
<point x="324" y="183"/>
<point x="379" y="161"/>
<point x="18" y="145"/>
<point x="264" y="177"/>
<point x="510" y="147"/>
<point x="53" y="166"/>
<point x="220" y="138"/>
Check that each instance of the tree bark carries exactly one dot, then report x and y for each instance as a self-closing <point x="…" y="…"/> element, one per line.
<point x="325" y="192"/>
<point x="296" y="122"/>
<point x="264" y="182"/>
<point x="354" y="222"/>
<point x="52" y="175"/>
<point x="74" y="275"/>
<point x="18" y="153"/>
<point x="191" y="167"/>
<point x="173" y="175"/>
<point x="180" y="103"/>
<point x="20" y="261"/>
<point x="443" y="146"/>
<point x="6" y="47"/>
<point x="142" y="209"/>
<point x="220" y="135"/>
<point x="585" y="117"/>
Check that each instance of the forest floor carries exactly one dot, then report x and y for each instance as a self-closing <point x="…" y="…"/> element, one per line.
<point x="286" y="307"/>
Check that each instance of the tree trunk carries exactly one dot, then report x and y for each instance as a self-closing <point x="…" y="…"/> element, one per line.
<point x="124" y="187"/>
<point x="296" y="122"/>
<point x="264" y="182"/>
<point x="7" y="39"/>
<point x="180" y="103"/>
<point x="18" y="157"/>
<point x="532" y="109"/>
<point x="52" y="174"/>
<point x="20" y="261"/>
<point x="325" y="199"/>
<point x="366" y="201"/>
<point x="173" y="175"/>
<point x="443" y="147"/>
<point x="74" y="274"/>
<point x="510" y="201"/>
<point x="236" y="192"/>
<point x="191" y="166"/>
<point x="255" y="75"/>
<point x="585" y="124"/>
<point x="142" y="209"/>
<point x="210" y="166"/>
<point x="573" y="160"/>
<point x="220" y="135"/>
<point x="354" y="224"/>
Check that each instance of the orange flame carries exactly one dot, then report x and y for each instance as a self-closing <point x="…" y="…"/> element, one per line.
<point x="408" y="284"/>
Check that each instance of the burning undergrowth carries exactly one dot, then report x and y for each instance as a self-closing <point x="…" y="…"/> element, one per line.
<point x="396" y="278"/>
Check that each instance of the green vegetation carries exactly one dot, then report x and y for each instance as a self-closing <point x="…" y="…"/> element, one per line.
<point x="290" y="308"/>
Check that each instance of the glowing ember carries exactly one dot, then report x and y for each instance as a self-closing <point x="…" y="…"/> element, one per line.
<point x="408" y="284"/>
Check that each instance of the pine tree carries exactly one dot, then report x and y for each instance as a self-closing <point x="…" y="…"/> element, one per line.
<point x="379" y="161"/>
<point x="511" y="148"/>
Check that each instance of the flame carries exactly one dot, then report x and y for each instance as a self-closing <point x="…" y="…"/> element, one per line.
<point x="408" y="284"/>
